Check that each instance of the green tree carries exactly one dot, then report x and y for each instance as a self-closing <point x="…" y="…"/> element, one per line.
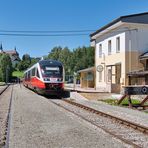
<point x="55" y="53"/>
<point x="25" y="63"/>
<point x="65" y="58"/>
<point x="5" y="67"/>
<point x="34" y="61"/>
<point x="79" y="58"/>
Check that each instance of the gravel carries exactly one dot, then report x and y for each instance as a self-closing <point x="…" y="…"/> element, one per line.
<point x="36" y="122"/>
<point x="125" y="113"/>
<point x="4" y="107"/>
<point x="127" y="133"/>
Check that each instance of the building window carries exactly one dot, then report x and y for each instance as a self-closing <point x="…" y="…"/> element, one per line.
<point x="109" y="75"/>
<point x="100" y="76"/>
<point x="100" y="50"/>
<point x="109" y="47"/>
<point x="118" y="44"/>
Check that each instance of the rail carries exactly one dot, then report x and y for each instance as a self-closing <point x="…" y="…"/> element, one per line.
<point x="138" y="127"/>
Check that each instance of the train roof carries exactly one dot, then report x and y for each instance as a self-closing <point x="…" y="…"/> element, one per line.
<point x="52" y="62"/>
<point x="46" y="62"/>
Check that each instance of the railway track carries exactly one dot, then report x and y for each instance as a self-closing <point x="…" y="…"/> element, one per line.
<point x="5" y="111"/>
<point x="3" y="90"/>
<point x="128" y="132"/>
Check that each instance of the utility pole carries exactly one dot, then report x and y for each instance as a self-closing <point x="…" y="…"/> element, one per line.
<point x="7" y="74"/>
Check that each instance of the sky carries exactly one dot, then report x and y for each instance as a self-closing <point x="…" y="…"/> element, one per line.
<point x="58" y="15"/>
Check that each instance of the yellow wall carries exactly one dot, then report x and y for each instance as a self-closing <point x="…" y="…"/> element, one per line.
<point x="129" y="62"/>
<point x="86" y="83"/>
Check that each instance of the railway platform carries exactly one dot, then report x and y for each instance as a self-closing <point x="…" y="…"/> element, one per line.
<point x="91" y="93"/>
<point x="37" y="122"/>
<point x="73" y="87"/>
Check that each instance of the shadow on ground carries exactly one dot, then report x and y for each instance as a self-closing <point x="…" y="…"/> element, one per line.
<point x="64" y="95"/>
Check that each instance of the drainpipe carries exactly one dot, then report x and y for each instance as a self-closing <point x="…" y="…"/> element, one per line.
<point x="95" y="66"/>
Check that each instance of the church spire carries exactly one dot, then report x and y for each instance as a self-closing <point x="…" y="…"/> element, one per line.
<point x="1" y="48"/>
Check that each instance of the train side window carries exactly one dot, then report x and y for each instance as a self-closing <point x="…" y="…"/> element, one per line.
<point x="28" y="75"/>
<point x="33" y="72"/>
<point x="25" y="76"/>
<point x="37" y="73"/>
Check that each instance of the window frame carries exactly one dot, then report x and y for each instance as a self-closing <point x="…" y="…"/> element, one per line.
<point x="100" y="50"/>
<point x="109" y="47"/>
<point x="117" y="44"/>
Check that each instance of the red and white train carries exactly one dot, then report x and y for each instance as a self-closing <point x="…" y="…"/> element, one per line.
<point x="45" y="77"/>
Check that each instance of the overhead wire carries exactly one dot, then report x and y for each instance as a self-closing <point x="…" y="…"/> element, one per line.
<point x="38" y="35"/>
<point x="46" y="31"/>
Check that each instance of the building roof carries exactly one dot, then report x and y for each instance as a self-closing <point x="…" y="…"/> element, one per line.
<point x="9" y="51"/>
<point x="134" y="18"/>
<point x="138" y="73"/>
<point x="87" y="69"/>
<point x="144" y="56"/>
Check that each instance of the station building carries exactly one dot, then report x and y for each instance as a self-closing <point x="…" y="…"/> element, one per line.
<point x="121" y="53"/>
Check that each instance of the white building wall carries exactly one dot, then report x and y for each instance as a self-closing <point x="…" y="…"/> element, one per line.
<point x="133" y="42"/>
<point x="138" y="36"/>
<point x="109" y="59"/>
<point x="143" y="39"/>
<point x="136" y="43"/>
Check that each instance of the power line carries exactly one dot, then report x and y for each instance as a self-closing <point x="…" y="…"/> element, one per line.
<point x="38" y="35"/>
<point x="46" y="31"/>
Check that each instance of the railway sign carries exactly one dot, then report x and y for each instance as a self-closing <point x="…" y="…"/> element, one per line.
<point x="136" y="90"/>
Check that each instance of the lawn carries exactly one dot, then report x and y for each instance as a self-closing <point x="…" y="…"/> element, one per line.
<point x="2" y="83"/>
<point x="124" y="102"/>
<point x="18" y="74"/>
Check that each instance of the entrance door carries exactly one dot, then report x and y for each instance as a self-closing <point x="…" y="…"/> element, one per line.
<point x="115" y="87"/>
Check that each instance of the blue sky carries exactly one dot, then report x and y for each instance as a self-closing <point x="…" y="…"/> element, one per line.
<point x="59" y="15"/>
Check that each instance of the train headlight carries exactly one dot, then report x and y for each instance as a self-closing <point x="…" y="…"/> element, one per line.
<point x="46" y="79"/>
<point x="60" y="79"/>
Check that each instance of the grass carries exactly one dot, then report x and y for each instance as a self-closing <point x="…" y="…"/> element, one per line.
<point x="18" y="74"/>
<point x="2" y="83"/>
<point x="110" y="101"/>
<point x="124" y="102"/>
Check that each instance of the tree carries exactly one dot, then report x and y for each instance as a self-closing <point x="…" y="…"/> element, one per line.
<point x="79" y="58"/>
<point x="65" y="58"/>
<point x="5" y="67"/>
<point x="26" y="57"/>
<point x="25" y="63"/>
<point x="55" y="53"/>
<point x="33" y="61"/>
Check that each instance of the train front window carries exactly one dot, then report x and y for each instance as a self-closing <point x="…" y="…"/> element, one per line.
<point x="48" y="71"/>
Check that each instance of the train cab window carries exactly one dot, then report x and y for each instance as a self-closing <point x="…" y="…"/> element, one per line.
<point x="51" y="70"/>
